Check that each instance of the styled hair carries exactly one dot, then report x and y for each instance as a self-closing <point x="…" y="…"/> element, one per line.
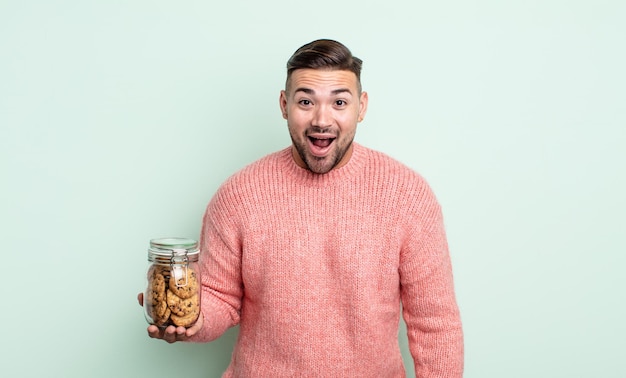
<point x="324" y="54"/>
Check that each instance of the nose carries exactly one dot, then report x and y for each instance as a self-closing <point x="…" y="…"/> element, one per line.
<point x="323" y="116"/>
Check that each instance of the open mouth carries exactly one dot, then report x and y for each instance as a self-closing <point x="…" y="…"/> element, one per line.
<point x="320" y="145"/>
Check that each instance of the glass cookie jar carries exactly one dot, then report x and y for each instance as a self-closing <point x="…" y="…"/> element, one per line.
<point x="172" y="295"/>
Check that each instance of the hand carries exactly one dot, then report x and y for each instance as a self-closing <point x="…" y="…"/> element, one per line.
<point x="172" y="334"/>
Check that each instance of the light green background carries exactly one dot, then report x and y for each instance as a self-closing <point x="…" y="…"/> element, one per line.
<point x="119" y="119"/>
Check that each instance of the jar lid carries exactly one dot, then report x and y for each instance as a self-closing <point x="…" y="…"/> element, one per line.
<point x="172" y="248"/>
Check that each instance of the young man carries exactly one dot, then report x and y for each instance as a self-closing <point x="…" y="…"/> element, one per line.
<point x="315" y="250"/>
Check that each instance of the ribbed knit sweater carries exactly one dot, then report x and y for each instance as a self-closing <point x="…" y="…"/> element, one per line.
<point x="317" y="268"/>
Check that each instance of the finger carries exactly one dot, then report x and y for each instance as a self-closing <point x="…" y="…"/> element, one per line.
<point x="140" y="299"/>
<point x="196" y="327"/>
<point x="170" y="334"/>
<point x="154" y="332"/>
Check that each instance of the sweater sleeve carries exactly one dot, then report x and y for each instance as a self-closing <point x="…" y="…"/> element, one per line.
<point x="429" y="305"/>
<point x="220" y="262"/>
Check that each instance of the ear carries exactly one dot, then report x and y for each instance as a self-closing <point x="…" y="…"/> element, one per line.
<point x="363" y="106"/>
<point x="283" y="103"/>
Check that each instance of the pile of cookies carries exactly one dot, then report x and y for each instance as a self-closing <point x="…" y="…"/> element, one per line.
<point x="172" y="296"/>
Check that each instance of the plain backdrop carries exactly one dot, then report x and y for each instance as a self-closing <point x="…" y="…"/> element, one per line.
<point x="119" y="120"/>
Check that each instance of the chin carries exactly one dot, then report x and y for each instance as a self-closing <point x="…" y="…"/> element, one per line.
<point x="321" y="165"/>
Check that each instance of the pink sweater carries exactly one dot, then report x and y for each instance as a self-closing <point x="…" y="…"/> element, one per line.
<point x="314" y="268"/>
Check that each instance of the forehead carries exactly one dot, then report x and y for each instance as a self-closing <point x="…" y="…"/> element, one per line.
<point x="323" y="81"/>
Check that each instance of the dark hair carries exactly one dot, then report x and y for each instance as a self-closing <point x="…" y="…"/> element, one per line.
<point x="324" y="54"/>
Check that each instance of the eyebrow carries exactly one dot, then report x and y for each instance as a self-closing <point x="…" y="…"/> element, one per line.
<point x="333" y="92"/>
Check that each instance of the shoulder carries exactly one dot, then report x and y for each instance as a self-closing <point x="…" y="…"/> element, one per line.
<point x="395" y="179"/>
<point x="253" y="175"/>
<point x="263" y="166"/>
<point x="384" y="159"/>
<point x="387" y="167"/>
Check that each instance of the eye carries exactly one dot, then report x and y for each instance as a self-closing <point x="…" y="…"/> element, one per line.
<point x="304" y="102"/>
<point x="341" y="103"/>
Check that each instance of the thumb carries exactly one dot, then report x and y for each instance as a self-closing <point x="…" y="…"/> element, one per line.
<point x="140" y="299"/>
<point x="196" y="327"/>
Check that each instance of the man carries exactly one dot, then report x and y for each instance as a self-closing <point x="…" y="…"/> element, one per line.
<point x="315" y="250"/>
